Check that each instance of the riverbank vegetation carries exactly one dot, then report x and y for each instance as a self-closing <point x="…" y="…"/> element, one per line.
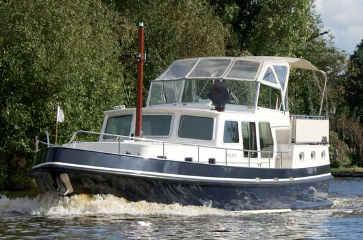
<point x="80" y="55"/>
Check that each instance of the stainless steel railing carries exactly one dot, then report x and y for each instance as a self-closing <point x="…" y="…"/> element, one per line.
<point x="312" y="117"/>
<point x="250" y="157"/>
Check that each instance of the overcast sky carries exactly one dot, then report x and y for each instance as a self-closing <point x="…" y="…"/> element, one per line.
<point x="344" y="19"/>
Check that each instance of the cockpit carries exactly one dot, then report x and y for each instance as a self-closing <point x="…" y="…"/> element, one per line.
<point x="248" y="82"/>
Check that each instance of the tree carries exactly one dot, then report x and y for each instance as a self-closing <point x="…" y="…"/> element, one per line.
<point x="175" y="29"/>
<point x="55" y="52"/>
<point x="354" y="83"/>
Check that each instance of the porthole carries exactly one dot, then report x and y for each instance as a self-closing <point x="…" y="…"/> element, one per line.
<point x="312" y="155"/>
<point x="301" y="156"/>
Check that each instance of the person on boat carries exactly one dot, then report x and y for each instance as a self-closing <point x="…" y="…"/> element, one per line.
<point x="219" y="94"/>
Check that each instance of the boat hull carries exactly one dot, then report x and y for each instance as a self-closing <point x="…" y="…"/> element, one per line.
<point x="165" y="181"/>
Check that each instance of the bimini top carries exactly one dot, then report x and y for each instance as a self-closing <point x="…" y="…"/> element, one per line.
<point x="234" y="68"/>
<point x="191" y="79"/>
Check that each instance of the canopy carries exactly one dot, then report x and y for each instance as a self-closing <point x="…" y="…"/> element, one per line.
<point x="237" y="68"/>
<point x="298" y="63"/>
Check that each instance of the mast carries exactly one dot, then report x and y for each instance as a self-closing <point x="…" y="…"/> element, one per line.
<point x="140" y="77"/>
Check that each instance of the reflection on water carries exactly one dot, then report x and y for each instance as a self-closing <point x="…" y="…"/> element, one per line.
<point x="109" y="217"/>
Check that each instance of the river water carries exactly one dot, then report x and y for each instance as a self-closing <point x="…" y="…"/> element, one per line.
<point x="109" y="217"/>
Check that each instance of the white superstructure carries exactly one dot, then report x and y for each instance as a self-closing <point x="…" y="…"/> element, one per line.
<point x="253" y="128"/>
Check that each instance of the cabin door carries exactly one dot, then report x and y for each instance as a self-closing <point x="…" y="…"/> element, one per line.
<point x="250" y="153"/>
<point x="266" y="145"/>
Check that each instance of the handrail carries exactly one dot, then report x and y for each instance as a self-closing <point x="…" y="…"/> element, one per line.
<point x="249" y="153"/>
<point x="160" y="141"/>
<point x="314" y="117"/>
<point x="112" y="135"/>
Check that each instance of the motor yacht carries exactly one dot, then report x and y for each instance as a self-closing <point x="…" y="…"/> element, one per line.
<point x="215" y="131"/>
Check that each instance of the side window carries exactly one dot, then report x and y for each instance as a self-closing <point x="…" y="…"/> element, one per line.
<point x="269" y="76"/>
<point x="249" y="139"/>
<point x="281" y="72"/>
<point x="156" y="125"/>
<point x="119" y="125"/>
<point x="269" y="97"/>
<point x="196" y="127"/>
<point x="266" y="141"/>
<point x="231" y="132"/>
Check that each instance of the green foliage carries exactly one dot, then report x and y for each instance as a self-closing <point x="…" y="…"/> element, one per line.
<point x="354" y="83"/>
<point x="56" y="52"/>
<point x="339" y="151"/>
<point x="175" y="29"/>
<point x="351" y="132"/>
<point x="268" y="27"/>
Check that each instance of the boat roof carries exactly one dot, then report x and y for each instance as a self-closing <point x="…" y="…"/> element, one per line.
<point x="298" y="63"/>
<point x="235" y="68"/>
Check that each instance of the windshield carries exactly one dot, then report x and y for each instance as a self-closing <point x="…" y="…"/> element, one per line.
<point x="198" y="90"/>
<point x="118" y="125"/>
<point x="162" y="92"/>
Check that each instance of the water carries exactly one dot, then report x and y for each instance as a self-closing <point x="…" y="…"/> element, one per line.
<point x="109" y="217"/>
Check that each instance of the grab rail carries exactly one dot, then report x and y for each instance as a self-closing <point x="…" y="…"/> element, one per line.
<point x="246" y="154"/>
<point x="312" y="117"/>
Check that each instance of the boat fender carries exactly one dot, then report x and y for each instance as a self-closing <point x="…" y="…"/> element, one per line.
<point x="211" y="160"/>
<point x="188" y="159"/>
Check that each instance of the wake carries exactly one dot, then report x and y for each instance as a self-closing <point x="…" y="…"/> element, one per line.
<point x="83" y="204"/>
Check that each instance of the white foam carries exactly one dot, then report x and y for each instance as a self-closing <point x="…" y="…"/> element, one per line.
<point x="263" y="211"/>
<point x="144" y="224"/>
<point x="54" y="205"/>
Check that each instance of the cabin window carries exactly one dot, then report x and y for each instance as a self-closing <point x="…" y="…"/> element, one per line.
<point x="269" y="76"/>
<point x="281" y="72"/>
<point x="156" y="125"/>
<point x="197" y="90"/>
<point x="119" y="125"/>
<point x="231" y="132"/>
<point x="178" y="69"/>
<point x="244" y="70"/>
<point x="210" y="68"/>
<point x="162" y="92"/>
<point x="269" y="97"/>
<point x="266" y="141"/>
<point x="196" y="127"/>
<point x="249" y="139"/>
<point x="240" y="92"/>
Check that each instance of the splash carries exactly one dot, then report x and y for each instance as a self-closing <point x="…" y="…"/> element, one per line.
<point x="355" y="203"/>
<point x="83" y="204"/>
<point x="54" y="205"/>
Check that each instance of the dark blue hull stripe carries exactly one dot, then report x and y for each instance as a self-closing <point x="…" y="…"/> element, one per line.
<point x="68" y="158"/>
<point x="64" y="167"/>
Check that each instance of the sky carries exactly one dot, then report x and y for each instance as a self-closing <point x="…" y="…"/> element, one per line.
<point x="344" y="19"/>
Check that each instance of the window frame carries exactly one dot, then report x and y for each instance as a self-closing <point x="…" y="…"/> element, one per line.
<point x="197" y="116"/>
<point x="104" y="137"/>
<point x="160" y="114"/>
<point x="238" y="132"/>
<point x="280" y="96"/>
<point x="259" y="140"/>
<point x="249" y="123"/>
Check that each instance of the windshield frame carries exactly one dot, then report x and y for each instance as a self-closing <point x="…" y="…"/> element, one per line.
<point x="196" y="62"/>
<point x="250" y="100"/>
